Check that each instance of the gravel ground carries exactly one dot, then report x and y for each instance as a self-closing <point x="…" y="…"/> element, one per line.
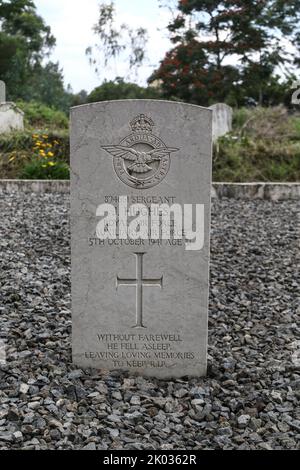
<point x="250" y="399"/>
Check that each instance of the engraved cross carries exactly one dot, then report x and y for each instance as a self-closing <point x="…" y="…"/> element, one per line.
<point x="139" y="283"/>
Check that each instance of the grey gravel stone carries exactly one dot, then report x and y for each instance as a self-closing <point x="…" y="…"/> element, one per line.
<point x="135" y="400"/>
<point x="91" y="446"/>
<point x="250" y="398"/>
<point x="243" y="420"/>
<point x="18" y="436"/>
<point x="24" y="388"/>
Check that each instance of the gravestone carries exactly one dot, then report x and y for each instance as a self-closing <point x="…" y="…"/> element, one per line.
<point x="222" y="120"/>
<point x="11" y="117"/>
<point x="140" y="186"/>
<point x="2" y="92"/>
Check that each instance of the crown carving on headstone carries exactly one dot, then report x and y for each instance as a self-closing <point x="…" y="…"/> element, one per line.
<point x="142" y="123"/>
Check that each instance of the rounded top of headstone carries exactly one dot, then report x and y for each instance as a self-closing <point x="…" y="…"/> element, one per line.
<point x="8" y="105"/>
<point x="128" y="102"/>
<point x="220" y="106"/>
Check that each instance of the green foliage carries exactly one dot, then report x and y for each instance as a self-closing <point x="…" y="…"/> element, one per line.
<point x="15" y="141"/>
<point x="264" y="146"/>
<point x="17" y="149"/>
<point x="80" y="98"/>
<point x="250" y="160"/>
<point x="295" y="121"/>
<point x="45" y="161"/>
<point x="119" y="90"/>
<point x="251" y="35"/>
<point x="41" y="170"/>
<point x="38" y="115"/>
<point x="25" y="141"/>
<point x="46" y="85"/>
<point x="25" y="42"/>
<point x="240" y="117"/>
<point x="19" y="19"/>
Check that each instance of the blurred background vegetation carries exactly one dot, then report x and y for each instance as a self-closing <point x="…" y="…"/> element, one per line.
<point x="265" y="142"/>
<point x="263" y="146"/>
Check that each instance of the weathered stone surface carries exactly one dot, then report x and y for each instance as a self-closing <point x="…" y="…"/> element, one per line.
<point x="110" y="307"/>
<point x="11" y="118"/>
<point x="222" y="120"/>
<point x="2" y="92"/>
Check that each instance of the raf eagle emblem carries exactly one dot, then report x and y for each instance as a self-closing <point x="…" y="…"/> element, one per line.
<point x="141" y="160"/>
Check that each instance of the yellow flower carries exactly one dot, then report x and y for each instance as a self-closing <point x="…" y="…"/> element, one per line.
<point x="51" y="164"/>
<point x="56" y="142"/>
<point x="44" y="166"/>
<point x="50" y="154"/>
<point x="45" y="136"/>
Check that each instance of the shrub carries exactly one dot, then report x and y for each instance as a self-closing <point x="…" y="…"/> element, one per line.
<point x="19" y="148"/>
<point x="240" y="117"/>
<point x="42" y="169"/>
<point x="25" y="141"/>
<point x="264" y="146"/>
<point x="15" y="141"/>
<point x="120" y="90"/>
<point x="38" y="115"/>
<point x="265" y="123"/>
<point x="54" y="143"/>
<point x="45" y="163"/>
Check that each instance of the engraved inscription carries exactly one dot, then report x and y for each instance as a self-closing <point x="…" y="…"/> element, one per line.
<point x="139" y="350"/>
<point x="139" y="283"/>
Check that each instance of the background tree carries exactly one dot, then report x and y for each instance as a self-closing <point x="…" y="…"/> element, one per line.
<point x="223" y="47"/>
<point x="119" y="90"/>
<point x="114" y="42"/>
<point x="25" y="42"/>
<point x="46" y="85"/>
<point x="79" y="98"/>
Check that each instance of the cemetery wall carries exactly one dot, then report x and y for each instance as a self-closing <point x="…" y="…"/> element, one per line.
<point x="268" y="191"/>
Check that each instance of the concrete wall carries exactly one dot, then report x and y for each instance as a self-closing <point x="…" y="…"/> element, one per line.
<point x="268" y="191"/>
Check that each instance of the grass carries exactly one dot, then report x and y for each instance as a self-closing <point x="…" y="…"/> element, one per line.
<point x="263" y="146"/>
<point x="42" y="170"/>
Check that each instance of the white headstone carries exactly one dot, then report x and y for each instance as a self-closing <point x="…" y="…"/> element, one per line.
<point x="11" y="118"/>
<point x="140" y="302"/>
<point x="2" y="92"/>
<point x="222" y="120"/>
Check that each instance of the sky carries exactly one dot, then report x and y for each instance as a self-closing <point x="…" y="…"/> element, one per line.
<point x="71" y="22"/>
